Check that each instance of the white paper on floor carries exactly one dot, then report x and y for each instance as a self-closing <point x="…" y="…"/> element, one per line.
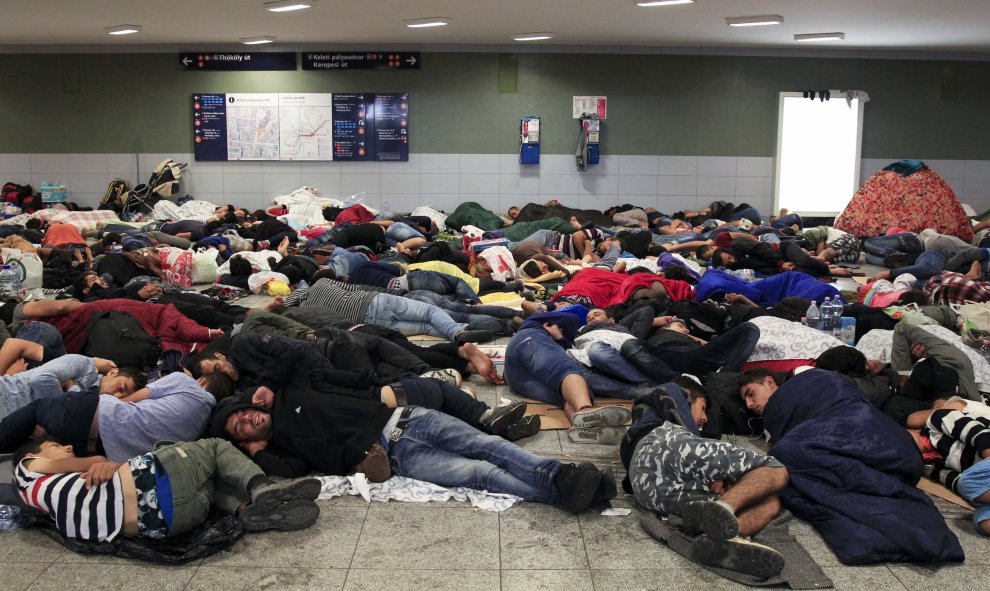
<point x="616" y="512"/>
<point x="399" y="488"/>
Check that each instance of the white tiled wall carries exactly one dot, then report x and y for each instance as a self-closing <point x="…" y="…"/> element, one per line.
<point x="669" y="183"/>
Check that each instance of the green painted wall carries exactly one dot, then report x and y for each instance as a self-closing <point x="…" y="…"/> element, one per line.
<point x="671" y="105"/>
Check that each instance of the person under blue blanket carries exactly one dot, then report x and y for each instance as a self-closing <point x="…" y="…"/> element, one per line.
<point x="852" y="469"/>
<point x="714" y="284"/>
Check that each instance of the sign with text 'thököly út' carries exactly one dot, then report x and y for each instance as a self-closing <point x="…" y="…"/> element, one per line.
<point x="389" y="60"/>
<point x="244" y="61"/>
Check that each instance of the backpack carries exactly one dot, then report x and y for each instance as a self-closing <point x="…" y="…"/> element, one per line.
<point x="119" y="337"/>
<point x="15" y="194"/>
<point x="114" y="197"/>
<point x="727" y="413"/>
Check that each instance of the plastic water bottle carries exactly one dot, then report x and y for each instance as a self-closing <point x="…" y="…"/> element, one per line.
<point x="386" y="210"/>
<point x="825" y="320"/>
<point x="837" y="311"/>
<point x="10" y="518"/>
<point x="812" y="315"/>
<point x="9" y="281"/>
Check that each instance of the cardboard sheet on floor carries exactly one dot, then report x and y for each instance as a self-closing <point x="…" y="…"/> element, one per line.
<point x="861" y="280"/>
<point x="934" y="488"/>
<point x="552" y="417"/>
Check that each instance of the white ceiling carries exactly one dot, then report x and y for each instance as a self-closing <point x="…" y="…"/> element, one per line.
<point x="921" y="25"/>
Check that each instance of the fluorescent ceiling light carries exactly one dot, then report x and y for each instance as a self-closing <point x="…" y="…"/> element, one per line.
<point x="648" y="4"/>
<point x="820" y="37"/>
<point x="123" y="30"/>
<point x="542" y="36"/>
<point x="257" y="40"/>
<point x="433" y="21"/>
<point x="754" y="21"/>
<point x="288" y="5"/>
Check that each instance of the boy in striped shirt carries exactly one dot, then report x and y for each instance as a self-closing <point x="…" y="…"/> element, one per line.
<point x="162" y="493"/>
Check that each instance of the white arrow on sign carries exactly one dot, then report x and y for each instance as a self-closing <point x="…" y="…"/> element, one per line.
<point x="411" y="61"/>
<point x="186" y="61"/>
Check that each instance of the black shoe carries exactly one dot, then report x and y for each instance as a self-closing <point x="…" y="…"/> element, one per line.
<point x="474" y="336"/>
<point x="738" y="555"/>
<point x="607" y="489"/>
<point x="502" y="417"/>
<point x="524" y="427"/>
<point x="286" y="506"/>
<point x="711" y="518"/>
<point x="514" y="285"/>
<point x="577" y="485"/>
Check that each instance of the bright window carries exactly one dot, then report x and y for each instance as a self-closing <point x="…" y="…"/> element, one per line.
<point x="818" y="153"/>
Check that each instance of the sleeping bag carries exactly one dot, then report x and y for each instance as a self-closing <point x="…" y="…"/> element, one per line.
<point x="470" y="213"/>
<point x="715" y="284"/>
<point x="853" y="473"/>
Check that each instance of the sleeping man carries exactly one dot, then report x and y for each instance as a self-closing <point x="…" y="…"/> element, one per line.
<point x="852" y="470"/>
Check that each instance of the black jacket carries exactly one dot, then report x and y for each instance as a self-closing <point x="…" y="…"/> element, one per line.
<point x="318" y="431"/>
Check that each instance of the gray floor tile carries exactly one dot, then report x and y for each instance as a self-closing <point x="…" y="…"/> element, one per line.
<point x="27" y="545"/>
<point x="544" y="443"/>
<point x="541" y="539"/>
<point x="20" y="575"/>
<point x="867" y="578"/>
<point x="329" y="543"/>
<point x="406" y="536"/>
<point x="975" y="546"/>
<point x="620" y="543"/>
<point x="113" y="577"/>
<point x="546" y="580"/>
<point x="813" y="543"/>
<point x="283" y="579"/>
<point x="946" y="578"/>
<point x="687" y="577"/>
<point x="421" y="580"/>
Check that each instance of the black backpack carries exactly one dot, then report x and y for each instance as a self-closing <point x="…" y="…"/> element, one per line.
<point x="119" y="337"/>
<point x="727" y="413"/>
<point x="704" y="320"/>
<point x="114" y="197"/>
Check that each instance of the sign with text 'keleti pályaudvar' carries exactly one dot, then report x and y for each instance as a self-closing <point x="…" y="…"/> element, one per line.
<point x="301" y="126"/>
<point x="339" y="60"/>
<point x="238" y="61"/>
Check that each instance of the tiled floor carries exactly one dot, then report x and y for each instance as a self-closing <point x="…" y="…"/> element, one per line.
<point x="399" y="546"/>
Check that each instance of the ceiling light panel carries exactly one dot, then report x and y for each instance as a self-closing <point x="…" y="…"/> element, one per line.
<point x="754" y="21"/>
<point x="541" y="36"/>
<point x="288" y="5"/>
<point x="820" y="36"/>
<point x="123" y="30"/>
<point x="258" y="40"/>
<point x="649" y="4"/>
<point x="425" y="23"/>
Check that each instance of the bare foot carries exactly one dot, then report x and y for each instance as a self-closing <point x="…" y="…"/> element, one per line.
<point x="480" y="363"/>
<point x="620" y="267"/>
<point x="574" y="222"/>
<point x="283" y="247"/>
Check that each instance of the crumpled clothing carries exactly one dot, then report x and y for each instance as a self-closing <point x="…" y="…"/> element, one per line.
<point x="400" y="488"/>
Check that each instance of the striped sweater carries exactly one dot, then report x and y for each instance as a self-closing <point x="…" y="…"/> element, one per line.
<point x="349" y="301"/>
<point x="960" y="438"/>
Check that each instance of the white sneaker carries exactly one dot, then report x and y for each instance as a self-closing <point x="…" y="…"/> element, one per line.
<point x="451" y="376"/>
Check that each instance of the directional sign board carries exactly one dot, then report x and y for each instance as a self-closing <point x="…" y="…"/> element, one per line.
<point x="238" y="61"/>
<point x="390" y="60"/>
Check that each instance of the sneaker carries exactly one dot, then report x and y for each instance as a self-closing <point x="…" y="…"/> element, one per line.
<point x="524" y="427"/>
<point x="605" y="416"/>
<point x="577" y="485"/>
<point x="474" y="336"/>
<point x="599" y="435"/>
<point x="607" y="489"/>
<point x="501" y="417"/>
<point x="713" y="518"/>
<point x="451" y="376"/>
<point x="286" y="506"/>
<point x="738" y="555"/>
<point x="514" y="285"/>
<point x="289" y="516"/>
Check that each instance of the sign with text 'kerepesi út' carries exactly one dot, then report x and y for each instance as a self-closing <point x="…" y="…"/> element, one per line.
<point x="389" y="60"/>
<point x="245" y="61"/>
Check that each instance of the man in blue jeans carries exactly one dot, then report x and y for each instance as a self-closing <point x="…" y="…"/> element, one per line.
<point x="298" y="431"/>
<point x="537" y="366"/>
<point x="366" y="305"/>
<point x="391" y="278"/>
<point x="896" y="250"/>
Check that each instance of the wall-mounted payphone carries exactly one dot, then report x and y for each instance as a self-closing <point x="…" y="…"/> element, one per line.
<point x="588" y="152"/>
<point x="529" y="140"/>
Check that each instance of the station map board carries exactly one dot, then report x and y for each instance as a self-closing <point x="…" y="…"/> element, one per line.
<point x="301" y="126"/>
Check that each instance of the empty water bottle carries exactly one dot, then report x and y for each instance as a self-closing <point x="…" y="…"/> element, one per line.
<point x="10" y="518"/>
<point x="386" y="210"/>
